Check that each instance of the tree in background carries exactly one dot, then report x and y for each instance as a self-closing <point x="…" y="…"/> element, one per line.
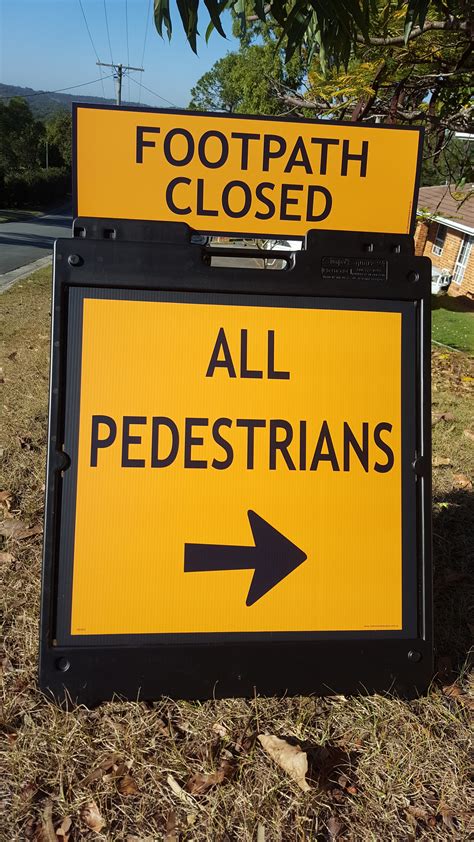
<point x="24" y="179"/>
<point x="21" y="135"/>
<point x="244" y="81"/>
<point x="59" y="137"/>
<point x="24" y="138"/>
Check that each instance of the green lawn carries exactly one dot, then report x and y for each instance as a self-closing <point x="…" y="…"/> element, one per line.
<point x="453" y="322"/>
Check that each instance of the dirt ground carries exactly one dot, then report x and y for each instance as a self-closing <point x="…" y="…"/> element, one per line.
<point x="379" y="768"/>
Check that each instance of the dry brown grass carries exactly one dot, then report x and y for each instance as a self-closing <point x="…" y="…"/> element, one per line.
<point x="380" y="768"/>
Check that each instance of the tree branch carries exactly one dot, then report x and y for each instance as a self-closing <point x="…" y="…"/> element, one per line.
<point x="396" y="40"/>
<point x="363" y="107"/>
<point x="399" y="40"/>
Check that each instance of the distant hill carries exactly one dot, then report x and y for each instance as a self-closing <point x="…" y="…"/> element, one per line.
<point x="45" y="104"/>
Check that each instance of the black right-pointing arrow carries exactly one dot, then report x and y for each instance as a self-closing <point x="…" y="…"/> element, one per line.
<point x="272" y="558"/>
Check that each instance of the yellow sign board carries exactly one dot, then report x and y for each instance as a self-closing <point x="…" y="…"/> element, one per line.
<point x="238" y="467"/>
<point x="243" y="175"/>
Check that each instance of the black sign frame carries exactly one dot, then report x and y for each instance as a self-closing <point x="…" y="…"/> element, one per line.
<point x="365" y="268"/>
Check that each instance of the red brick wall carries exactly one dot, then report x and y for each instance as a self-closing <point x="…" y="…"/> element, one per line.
<point x="424" y="240"/>
<point x="421" y="235"/>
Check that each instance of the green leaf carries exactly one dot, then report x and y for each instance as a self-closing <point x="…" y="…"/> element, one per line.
<point x="188" y="10"/>
<point x="422" y="12"/>
<point x="162" y="15"/>
<point x="215" y="10"/>
<point x="259" y="8"/>
<point x="410" y="18"/>
<point x="239" y="11"/>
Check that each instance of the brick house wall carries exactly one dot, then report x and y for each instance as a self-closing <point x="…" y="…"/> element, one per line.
<point x="425" y="236"/>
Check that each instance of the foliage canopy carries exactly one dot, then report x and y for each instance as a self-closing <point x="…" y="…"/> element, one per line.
<point x="329" y="28"/>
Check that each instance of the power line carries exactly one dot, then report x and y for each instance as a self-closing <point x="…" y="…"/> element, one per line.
<point x="93" y="45"/>
<point x="128" y="50"/>
<point x="108" y="33"/>
<point x="58" y="90"/>
<point x="173" y="105"/>
<point x="144" y="42"/>
<point x="88" y="30"/>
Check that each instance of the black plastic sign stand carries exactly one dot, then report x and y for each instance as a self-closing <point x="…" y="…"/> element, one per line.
<point x="151" y="258"/>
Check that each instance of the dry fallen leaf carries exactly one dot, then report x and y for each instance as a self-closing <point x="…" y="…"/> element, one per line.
<point x="441" y="416"/>
<point x="6" y="558"/>
<point x="292" y="759"/>
<point x="27" y="443"/>
<point x="132" y="838"/>
<point x="461" y="482"/>
<point x="18" y="529"/>
<point x="171" y="827"/>
<point x="421" y="814"/>
<point x="261" y="834"/>
<point x="179" y="791"/>
<point x="334" y="827"/>
<point x="28" y="791"/>
<point x="199" y="783"/>
<point x="45" y="829"/>
<point x="441" y="462"/>
<point x="219" y="730"/>
<point x="469" y="434"/>
<point x="91" y="816"/>
<point x="127" y="785"/>
<point x="454" y="691"/>
<point x="107" y="763"/>
<point x="63" y="830"/>
<point x="448" y="818"/>
<point x="5" y="500"/>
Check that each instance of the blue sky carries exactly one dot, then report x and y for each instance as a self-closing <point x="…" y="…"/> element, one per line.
<point x="44" y="45"/>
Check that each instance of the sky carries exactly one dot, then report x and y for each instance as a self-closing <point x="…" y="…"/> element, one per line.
<point x="45" y="45"/>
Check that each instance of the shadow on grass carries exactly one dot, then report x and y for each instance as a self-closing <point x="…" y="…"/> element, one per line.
<point x="453" y="303"/>
<point x="331" y="769"/>
<point x="453" y="554"/>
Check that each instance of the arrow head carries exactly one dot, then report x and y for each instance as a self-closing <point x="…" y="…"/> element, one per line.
<point x="275" y="557"/>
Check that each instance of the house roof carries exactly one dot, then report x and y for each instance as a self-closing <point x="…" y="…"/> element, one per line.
<point x="438" y="202"/>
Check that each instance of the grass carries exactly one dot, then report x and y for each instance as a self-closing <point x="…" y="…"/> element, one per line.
<point x="453" y="322"/>
<point x="381" y="768"/>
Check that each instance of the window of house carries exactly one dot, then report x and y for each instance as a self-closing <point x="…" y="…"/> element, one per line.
<point x="462" y="258"/>
<point x="438" y="244"/>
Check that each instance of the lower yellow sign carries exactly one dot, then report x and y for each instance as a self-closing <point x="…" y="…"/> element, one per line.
<point x="239" y="466"/>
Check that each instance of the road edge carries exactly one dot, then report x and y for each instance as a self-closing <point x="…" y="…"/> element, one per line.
<point x="9" y="278"/>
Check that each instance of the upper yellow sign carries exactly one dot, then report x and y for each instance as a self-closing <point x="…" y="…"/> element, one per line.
<point x="238" y="466"/>
<point x="243" y="175"/>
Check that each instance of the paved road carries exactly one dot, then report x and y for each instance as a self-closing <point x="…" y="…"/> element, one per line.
<point x="23" y="242"/>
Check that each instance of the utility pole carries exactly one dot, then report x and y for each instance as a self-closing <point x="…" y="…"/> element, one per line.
<point x="119" y="70"/>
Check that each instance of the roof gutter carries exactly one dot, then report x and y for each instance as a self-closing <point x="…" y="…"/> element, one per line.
<point x="450" y="223"/>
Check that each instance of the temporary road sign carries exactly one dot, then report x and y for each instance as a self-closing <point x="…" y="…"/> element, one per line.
<point x="240" y="460"/>
<point x="207" y="409"/>
<point x="244" y="175"/>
